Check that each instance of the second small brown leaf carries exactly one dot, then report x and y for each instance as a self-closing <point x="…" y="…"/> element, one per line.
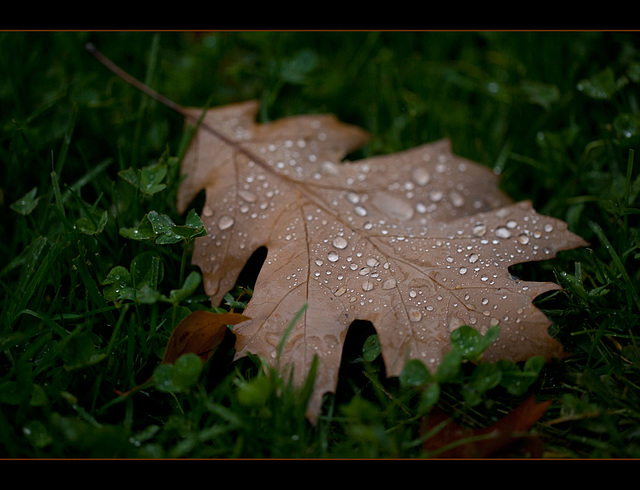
<point x="456" y="441"/>
<point x="201" y="332"/>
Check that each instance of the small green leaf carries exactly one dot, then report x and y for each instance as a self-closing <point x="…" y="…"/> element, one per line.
<point x="234" y="304"/>
<point x="37" y="434"/>
<point x="602" y="85"/>
<point x="627" y="125"/>
<point x="180" y="376"/>
<point x="429" y="397"/>
<point x="256" y="392"/>
<point x="147" y="180"/>
<point x="485" y="377"/>
<point x="144" y="231"/>
<point x="78" y="351"/>
<point x="27" y="203"/>
<point x="163" y="228"/>
<point x="130" y="175"/>
<point x="193" y="227"/>
<point x="517" y="381"/>
<point x="186" y="371"/>
<point x="119" y="284"/>
<point x="542" y="94"/>
<point x="415" y="373"/>
<point x="151" y="178"/>
<point x="191" y="283"/>
<point x="470" y="343"/>
<point x="297" y="68"/>
<point x="163" y="378"/>
<point x="92" y="222"/>
<point x="371" y="348"/>
<point x="147" y="269"/>
<point x="449" y="366"/>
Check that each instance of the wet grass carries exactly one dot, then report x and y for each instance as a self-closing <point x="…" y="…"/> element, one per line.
<point x="556" y="114"/>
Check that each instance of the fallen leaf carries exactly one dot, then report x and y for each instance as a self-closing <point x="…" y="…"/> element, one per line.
<point x="201" y="333"/>
<point x="418" y="243"/>
<point x="452" y="440"/>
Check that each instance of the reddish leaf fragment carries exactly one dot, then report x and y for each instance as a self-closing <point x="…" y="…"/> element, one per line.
<point x="199" y="333"/>
<point x="466" y="442"/>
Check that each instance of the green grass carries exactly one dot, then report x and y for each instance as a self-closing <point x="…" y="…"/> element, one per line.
<point x="557" y="114"/>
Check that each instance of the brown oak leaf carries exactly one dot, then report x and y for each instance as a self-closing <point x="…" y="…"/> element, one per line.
<point x="418" y="242"/>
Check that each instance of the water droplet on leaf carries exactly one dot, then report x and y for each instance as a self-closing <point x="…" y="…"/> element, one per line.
<point x="340" y="242"/>
<point x="225" y="222"/>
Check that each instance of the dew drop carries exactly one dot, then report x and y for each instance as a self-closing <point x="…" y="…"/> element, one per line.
<point x="248" y="196"/>
<point x="319" y="262"/>
<point x="479" y="230"/>
<point x="340" y="291"/>
<point x="473" y="258"/>
<point x="393" y="206"/>
<point x="415" y="315"/>
<point x="456" y="199"/>
<point x="463" y="270"/>
<point x="329" y="168"/>
<point x="389" y="284"/>
<point x="503" y="232"/>
<point x="373" y="262"/>
<point x="367" y="285"/>
<point x="207" y="211"/>
<point x="436" y="196"/>
<point x="360" y="211"/>
<point x="225" y="222"/>
<point x="548" y="227"/>
<point x="523" y="239"/>
<point x="332" y="256"/>
<point x="340" y="242"/>
<point x="420" y="176"/>
<point x="353" y="198"/>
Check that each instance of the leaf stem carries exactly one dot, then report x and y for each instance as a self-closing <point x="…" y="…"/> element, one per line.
<point x="135" y="82"/>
